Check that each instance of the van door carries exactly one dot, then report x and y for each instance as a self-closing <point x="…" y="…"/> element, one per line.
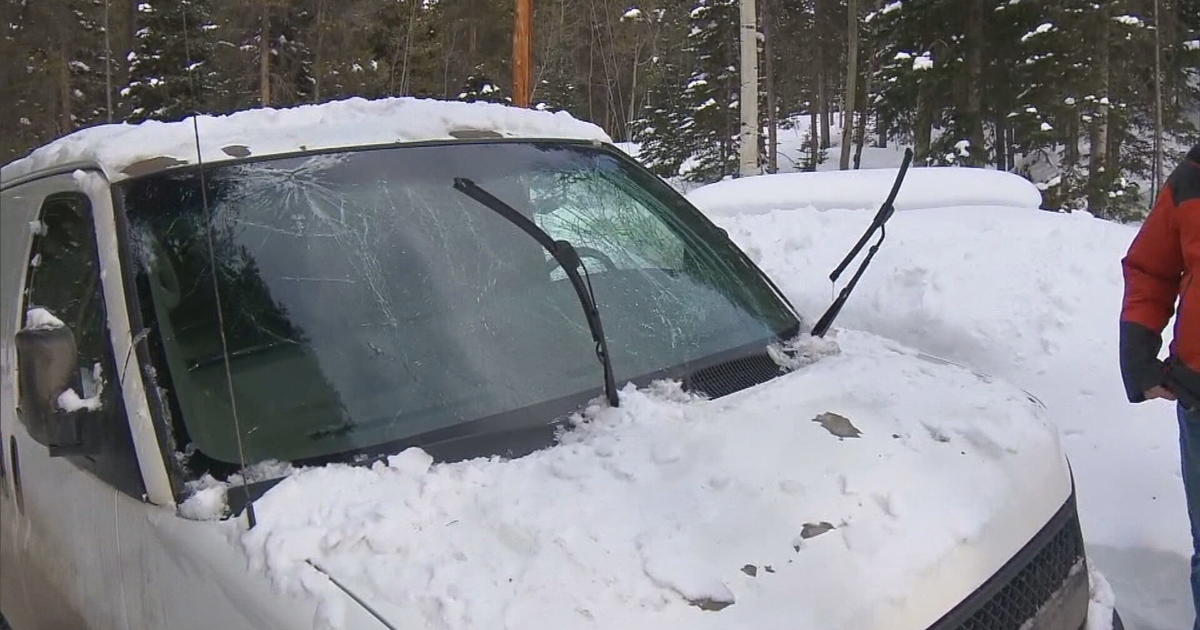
<point x="59" y="538"/>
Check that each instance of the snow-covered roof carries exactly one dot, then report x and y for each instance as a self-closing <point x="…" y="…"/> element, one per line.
<point x="124" y="150"/>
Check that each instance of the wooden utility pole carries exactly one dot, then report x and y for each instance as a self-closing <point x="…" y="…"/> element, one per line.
<point x="748" y="151"/>
<point x="523" y="54"/>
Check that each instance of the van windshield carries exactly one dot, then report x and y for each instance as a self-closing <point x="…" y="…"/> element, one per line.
<point x="365" y="301"/>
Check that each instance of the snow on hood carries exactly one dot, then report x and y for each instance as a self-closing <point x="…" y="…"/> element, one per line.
<point x="124" y="150"/>
<point x="670" y="511"/>
<point x="932" y="187"/>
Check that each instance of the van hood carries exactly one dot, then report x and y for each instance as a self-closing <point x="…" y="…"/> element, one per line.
<point x="871" y="489"/>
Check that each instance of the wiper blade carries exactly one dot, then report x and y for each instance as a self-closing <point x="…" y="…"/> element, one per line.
<point x="881" y="218"/>
<point x="565" y="254"/>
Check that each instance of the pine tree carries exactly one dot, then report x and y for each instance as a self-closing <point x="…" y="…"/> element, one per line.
<point x="663" y="119"/>
<point x="480" y="88"/>
<point x="170" y="70"/>
<point x="24" y="79"/>
<point x="918" y="68"/>
<point x="699" y="129"/>
<point x="660" y="128"/>
<point x="85" y="63"/>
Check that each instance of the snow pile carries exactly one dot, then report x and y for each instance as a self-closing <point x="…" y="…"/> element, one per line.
<point x="934" y="187"/>
<point x="759" y="510"/>
<point x="1030" y="296"/>
<point x="1101" y="604"/>
<point x="41" y="319"/>
<point x="207" y="500"/>
<point x="801" y="351"/>
<point x="208" y="497"/>
<point x="70" y="400"/>
<point x="121" y="149"/>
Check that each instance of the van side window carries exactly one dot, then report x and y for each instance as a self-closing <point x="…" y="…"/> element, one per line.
<point x="64" y="278"/>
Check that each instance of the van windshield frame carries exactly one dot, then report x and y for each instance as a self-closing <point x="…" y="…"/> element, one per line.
<point x="269" y="215"/>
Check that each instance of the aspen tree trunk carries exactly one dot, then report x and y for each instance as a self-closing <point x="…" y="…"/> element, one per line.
<point x="822" y="73"/>
<point x="748" y="149"/>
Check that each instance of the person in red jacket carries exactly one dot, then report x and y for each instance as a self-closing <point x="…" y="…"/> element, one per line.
<point x="1159" y="269"/>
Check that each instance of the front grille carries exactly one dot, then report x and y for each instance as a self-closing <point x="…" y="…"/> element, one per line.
<point x="1020" y="589"/>
<point x="732" y="375"/>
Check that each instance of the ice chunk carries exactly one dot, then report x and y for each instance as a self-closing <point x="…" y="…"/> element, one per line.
<point x="412" y="461"/>
<point x="41" y="319"/>
<point x="208" y="500"/>
<point x="70" y="401"/>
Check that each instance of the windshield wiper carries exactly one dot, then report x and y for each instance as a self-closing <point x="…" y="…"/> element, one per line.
<point x="565" y="254"/>
<point x="881" y="217"/>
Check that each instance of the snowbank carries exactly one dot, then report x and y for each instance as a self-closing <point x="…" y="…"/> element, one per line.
<point x="932" y="187"/>
<point x="119" y="149"/>
<point x="1033" y="297"/>
<point x="674" y="512"/>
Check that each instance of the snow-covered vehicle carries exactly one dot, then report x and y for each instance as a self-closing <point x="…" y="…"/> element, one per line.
<point x="409" y="364"/>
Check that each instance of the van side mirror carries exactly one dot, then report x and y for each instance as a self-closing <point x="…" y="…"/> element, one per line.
<point x="48" y="365"/>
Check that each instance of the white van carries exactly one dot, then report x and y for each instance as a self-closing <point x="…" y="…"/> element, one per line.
<point x="412" y="364"/>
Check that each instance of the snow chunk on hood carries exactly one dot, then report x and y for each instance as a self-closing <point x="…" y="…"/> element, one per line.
<point x="672" y="511"/>
<point x="208" y="500"/>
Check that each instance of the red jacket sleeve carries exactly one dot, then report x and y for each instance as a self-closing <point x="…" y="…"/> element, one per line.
<point x="1153" y="268"/>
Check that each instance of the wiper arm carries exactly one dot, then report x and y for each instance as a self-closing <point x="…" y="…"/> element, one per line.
<point x="881" y="218"/>
<point x="565" y="254"/>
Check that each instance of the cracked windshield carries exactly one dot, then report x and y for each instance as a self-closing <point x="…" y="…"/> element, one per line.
<point x="365" y="301"/>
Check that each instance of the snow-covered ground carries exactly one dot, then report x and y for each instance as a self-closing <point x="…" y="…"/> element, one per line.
<point x="1024" y="294"/>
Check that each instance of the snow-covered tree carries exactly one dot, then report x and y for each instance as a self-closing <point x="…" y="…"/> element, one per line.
<point x="663" y="121"/>
<point x="698" y="129"/>
<point x="480" y="88"/>
<point x="170" y="70"/>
